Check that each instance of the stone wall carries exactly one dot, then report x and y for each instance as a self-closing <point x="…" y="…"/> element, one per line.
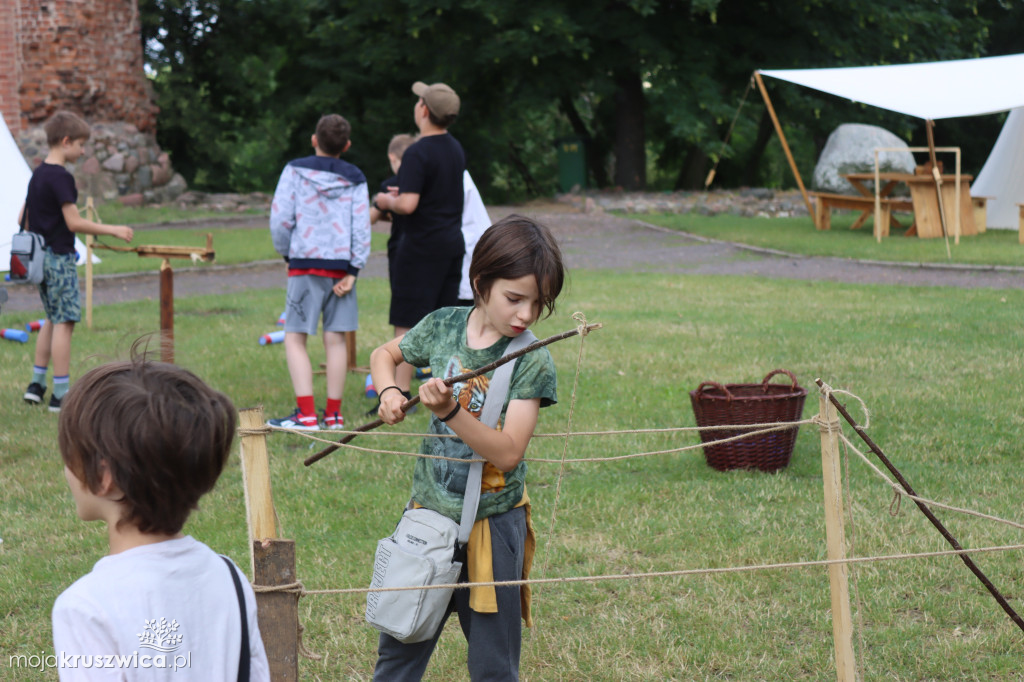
<point x="81" y="55"/>
<point x="120" y="163"/>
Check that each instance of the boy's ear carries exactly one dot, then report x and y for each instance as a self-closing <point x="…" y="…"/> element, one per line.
<point x="312" y="141"/>
<point x="347" y="145"/>
<point x="107" y="486"/>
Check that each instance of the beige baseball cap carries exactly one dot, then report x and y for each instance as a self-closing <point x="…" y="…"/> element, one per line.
<point x="440" y="98"/>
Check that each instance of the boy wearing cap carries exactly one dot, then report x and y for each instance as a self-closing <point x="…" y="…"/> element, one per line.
<point x="428" y="260"/>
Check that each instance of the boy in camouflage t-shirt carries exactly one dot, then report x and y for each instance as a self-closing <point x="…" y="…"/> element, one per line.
<point x="516" y="272"/>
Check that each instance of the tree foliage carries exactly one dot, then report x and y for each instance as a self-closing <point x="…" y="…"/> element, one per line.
<point x="651" y="86"/>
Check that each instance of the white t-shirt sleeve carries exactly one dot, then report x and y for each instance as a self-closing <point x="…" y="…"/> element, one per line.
<point x="81" y="643"/>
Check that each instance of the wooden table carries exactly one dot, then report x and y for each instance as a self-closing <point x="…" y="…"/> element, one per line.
<point x="927" y="223"/>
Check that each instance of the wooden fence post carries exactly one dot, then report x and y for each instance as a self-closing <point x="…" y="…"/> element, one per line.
<point x="842" y="628"/>
<point x="273" y="559"/>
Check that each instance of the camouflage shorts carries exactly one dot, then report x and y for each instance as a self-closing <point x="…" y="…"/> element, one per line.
<point x="59" y="292"/>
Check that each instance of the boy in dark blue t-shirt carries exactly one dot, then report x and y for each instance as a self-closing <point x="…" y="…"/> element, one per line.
<point x="52" y="213"/>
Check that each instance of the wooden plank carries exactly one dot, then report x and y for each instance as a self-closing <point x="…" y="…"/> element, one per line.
<point x="842" y="621"/>
<point x="278" y="612"/>
<point x="259" y="502"/>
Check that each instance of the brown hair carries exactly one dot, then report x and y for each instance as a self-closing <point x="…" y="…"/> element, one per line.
<point x="332" y="134"/>
<point x="440" y="122"/>
<point x="399" y="143"/>
<point x="163" y="434"/>
<point x="514" y="247"/>
<point x="65" y="124"/>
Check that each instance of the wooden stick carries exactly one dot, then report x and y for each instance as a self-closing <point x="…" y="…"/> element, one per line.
<point x="928" y="514"/>
<point x="782" y="139"/>
<point x="929" y="127"/>
<point x="842" y="627"/>
<point x="408" y="404"/>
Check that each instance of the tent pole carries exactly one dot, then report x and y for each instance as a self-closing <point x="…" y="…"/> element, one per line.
<point x="785" y="145"/>
<point x="929" y="127"/>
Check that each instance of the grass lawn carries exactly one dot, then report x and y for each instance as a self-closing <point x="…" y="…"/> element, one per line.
<point x="939" y="368"/>
<point x="797" y="235"/>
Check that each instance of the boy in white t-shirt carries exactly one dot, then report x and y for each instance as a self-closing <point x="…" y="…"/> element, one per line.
<point x="142" y="442"/>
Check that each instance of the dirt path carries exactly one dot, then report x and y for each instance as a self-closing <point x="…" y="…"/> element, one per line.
<point x="592" y="241"/>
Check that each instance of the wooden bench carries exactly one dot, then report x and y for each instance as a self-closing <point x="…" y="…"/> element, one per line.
<point x="825" y="203"/>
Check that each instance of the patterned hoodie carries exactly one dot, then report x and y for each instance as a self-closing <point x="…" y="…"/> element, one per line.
<point x="320" y="216"/>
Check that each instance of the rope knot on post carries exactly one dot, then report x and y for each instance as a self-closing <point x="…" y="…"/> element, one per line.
<point x="826" y="426"/>
<point x="299" y="590"/>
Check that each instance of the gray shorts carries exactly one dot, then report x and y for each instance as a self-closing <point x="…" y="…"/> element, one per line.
<point x="309" y="296"/>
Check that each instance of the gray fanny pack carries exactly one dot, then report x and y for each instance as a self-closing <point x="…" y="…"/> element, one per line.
<point x="427" y="548"/>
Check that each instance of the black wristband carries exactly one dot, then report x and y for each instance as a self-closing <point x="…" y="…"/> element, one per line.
<point x="452" y="413"/>
<point x="380" y="393"/>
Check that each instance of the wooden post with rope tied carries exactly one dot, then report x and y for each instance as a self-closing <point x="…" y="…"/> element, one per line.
<point x="194" y="253"/>
<point x="272" y="558"/>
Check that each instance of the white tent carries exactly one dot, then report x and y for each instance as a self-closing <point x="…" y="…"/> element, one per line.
<point x="1002" y="177"/>
<point x="937" y="90"/>
<point x="14" y="176"/>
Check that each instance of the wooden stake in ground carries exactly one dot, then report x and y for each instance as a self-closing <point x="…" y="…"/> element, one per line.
<point x="194" y="253"/>
<point x="408" y="404"/>
<point x="272" y="559"/>
<point x="842" y="622"/>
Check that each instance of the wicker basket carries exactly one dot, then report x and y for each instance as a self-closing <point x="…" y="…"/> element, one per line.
<point x="732" y="404"/>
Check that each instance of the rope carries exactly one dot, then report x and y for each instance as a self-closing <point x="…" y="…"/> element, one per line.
<point x="299" y="591"/>
<point x="657" y="574"/>
<point x="725" y="141"/>
<point x="899" y="492"/>
<point x="750" y="430"/>
<point x="582" y="319"/>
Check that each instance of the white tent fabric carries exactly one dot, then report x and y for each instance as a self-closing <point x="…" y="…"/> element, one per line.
<point x="14" y="177"/>
<point x="1002" y="177"/>
<point x="930" y="90"/>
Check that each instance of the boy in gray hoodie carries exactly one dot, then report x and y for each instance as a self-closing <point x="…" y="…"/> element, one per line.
<point x="320" y="223"/>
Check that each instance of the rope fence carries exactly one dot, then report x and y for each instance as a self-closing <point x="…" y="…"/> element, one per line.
<point x="827" y="423"/>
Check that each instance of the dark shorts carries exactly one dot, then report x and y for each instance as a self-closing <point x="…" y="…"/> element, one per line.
<point x="59" y="291"/>
<point x="420" y="284"/>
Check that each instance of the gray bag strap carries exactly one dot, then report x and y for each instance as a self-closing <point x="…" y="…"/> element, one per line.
<point x="497" y="391"/>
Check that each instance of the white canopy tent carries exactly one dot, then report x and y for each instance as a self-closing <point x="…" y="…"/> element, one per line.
<point x="938" y="90"/>
<point x="14" y="177"/>
<point x="1002" y="177"/>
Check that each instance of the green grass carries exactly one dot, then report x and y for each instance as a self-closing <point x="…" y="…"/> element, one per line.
<point x="232" y="246"/>
<point x="117" y="214"/>
<point x="797" y="235"/>
<point x="939" y="369"/>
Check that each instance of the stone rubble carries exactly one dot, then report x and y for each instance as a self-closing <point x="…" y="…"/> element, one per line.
<point x="748" y="202"/>
<point x="120" y="163"/>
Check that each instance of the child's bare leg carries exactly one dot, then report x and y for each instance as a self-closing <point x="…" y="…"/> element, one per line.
<point x="44" y="345"/>
<point x="60" y="347"/>
<point x="337" y="363"/>
<point x="299" y="366"/>
<point x="403" y="373"/>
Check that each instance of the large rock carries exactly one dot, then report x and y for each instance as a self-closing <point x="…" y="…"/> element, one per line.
<point x="851" y="149"/>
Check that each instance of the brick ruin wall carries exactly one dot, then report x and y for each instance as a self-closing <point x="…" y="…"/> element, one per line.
<point x="81" y="55"/>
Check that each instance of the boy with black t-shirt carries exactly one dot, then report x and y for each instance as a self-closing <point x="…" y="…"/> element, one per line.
<point x="52" y="212"/>
<point x="428" y="260"/>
